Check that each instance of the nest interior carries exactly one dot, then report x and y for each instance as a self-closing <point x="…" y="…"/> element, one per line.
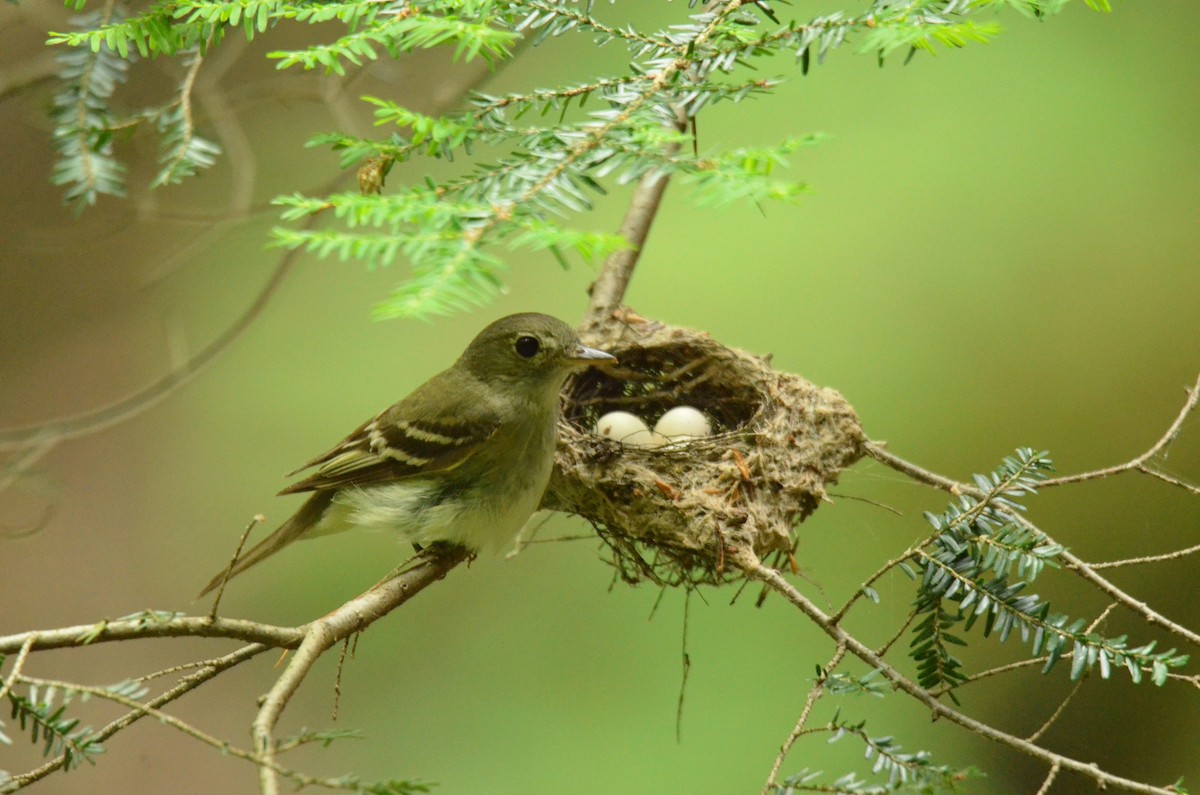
<point x="670" y="514"/>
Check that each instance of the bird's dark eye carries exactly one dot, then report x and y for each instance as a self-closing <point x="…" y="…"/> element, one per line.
<point x="527" y="347"/>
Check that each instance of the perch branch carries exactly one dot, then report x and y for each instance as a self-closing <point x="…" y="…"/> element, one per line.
<point x="320" y="635"/>
<point x="1141" y="608"/>
<point x="753" y="567"/>
<point x="310" y="639"/>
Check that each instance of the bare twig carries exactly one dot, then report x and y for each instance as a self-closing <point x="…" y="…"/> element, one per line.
<point x="862" y="589"/>
<point x="6" y="684"/>
<point x="26" y="73"/>
<point x="899" y="633"/>
<point x="237" y="553"/>
<point x="1179" y="553"/>
<point x="814" y="694"/>
<point x="938" y="692"/>
<point x="1165" y="478"/>
<point x="685" y="664"/>
<point x="60" y="430"/>
<point x="1037" y="735"/>
<point x="1137" y="463"/>
<point x="1136" y="605"/>
<point x="1049" y="781"/>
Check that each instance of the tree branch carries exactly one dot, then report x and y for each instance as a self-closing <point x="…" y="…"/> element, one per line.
<point x="320" y="635"/>
<point x="1073" y="562"/>
<point x="753" y="567"/>
<point x="188" y="683"/>
<point x="155" y="625"/>
<point x="608" y="291"/>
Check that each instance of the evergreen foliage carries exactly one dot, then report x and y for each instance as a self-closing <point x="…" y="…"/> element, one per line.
<point x="979" y="561"/>
<point x="42" y="713"/>
<point x="892" y="768"/>
<point x="522" y="181"/>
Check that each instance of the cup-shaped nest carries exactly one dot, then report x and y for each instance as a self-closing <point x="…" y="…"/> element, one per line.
<point x="671" y="513"/>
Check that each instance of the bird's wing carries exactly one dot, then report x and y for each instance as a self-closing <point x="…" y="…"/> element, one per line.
<point x="393" y="446"/>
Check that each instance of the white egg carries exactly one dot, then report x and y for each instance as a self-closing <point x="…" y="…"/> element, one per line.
<point x="682" y="423"/>
<point x="626" y="428"/>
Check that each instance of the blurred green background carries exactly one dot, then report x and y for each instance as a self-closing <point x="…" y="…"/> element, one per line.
<point x="1000" y="249"/>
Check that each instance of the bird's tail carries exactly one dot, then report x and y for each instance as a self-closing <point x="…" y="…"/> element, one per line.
<point x="302" y="521"/>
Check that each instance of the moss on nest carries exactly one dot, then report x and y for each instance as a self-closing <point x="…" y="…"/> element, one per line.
<point x="670" y="514"/>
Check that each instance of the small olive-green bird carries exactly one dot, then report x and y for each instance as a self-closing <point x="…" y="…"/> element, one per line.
<point x="464" y="459"/>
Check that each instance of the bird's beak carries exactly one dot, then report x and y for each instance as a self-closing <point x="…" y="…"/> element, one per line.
<point x="590" y="356"/>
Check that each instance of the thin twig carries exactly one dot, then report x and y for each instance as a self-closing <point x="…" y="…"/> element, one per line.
<point x="337" y="679"/>
<point x="1191" y="679"/>
<point x="1037" y="735"/>
<point x="685" y="665"/>
<point x="27" y="72"/>
<point x="1053" y="774"/>
<point x="1152" y="616"/>
<point x="814" y="694"/>
<point x="862" y="589"/>
<point x="1179" y="553"/>
<point x="1165" y="478"/>
<point x="1062" y="707"/>
<point x="887" y="646"/>
<point x="22" y="462"/>
<point x="1193" y="395"/>
<point x="999" y="669"/>
<point x="237" y="553"/>
<point x="185" y="108"/>
<point x="7" y="684"/>
<point x="94" y="420"/>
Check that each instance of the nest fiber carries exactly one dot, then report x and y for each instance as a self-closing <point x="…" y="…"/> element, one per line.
<point x="671" y="514"/>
